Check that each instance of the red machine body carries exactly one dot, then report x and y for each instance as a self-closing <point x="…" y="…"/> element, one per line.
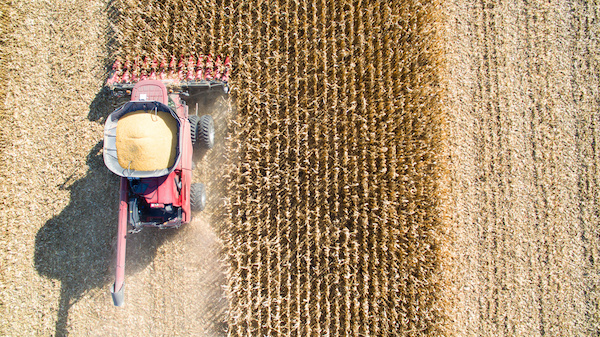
<point x="159" y="199"/>
<point x="172" y="189"/>
<point x="159" y="193"/>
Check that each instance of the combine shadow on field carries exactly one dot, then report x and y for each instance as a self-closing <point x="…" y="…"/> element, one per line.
<point x="77" y="246"/>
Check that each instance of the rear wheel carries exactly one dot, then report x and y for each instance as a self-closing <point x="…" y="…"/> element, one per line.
<point x="206" y="132"/>
<point x="197" y="197"/>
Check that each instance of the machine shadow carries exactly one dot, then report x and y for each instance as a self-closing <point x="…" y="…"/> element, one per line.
<point x="77" y="246"/>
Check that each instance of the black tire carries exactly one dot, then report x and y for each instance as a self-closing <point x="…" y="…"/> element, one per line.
<point x="206" y="132"/>
<point x="197" y="197"/>
<point x="194" y="127"/>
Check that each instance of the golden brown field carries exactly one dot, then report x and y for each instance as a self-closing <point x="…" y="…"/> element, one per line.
<point x="525" y="92"/>
<point x="382" y="168"/>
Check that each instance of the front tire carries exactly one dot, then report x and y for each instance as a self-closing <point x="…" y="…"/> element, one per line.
<point x="206" y="132"/>
<point x="197" y="197"/>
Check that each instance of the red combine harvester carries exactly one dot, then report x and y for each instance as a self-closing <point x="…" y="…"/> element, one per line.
<point x="160" y="196"/>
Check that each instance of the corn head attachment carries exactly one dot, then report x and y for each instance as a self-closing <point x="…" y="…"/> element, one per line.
<point x="178" y="74"/>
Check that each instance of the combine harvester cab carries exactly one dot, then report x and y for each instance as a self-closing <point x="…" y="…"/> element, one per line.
<point x="149" y="143"/>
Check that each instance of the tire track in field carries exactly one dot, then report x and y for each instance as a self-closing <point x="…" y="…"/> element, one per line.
<point x="585" y="89"/>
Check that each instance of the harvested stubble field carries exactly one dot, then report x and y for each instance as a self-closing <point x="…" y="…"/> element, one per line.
<point x="381" y="168"/>
<point x="524" y="84"/>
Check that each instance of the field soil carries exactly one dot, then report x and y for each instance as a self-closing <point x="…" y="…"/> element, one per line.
<point x="381" y="168"/>
<point x="525" y="106"/>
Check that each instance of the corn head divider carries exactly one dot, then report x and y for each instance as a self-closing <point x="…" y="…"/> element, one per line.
<point x="162" y="196"/>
